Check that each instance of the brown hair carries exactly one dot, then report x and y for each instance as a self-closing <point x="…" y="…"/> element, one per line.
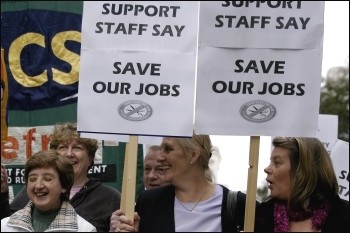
<point x="313" y="179"/>
<point x="51" y="158"/>
<point x="65" y="133"/>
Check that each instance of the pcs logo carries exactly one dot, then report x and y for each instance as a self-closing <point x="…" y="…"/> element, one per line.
<point x="135" y="110"/>
<point x="258" y="111"/>
<point x="42" y="52"/>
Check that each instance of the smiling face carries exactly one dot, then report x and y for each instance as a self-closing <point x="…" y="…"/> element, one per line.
<point x="278" y="173"/>
<point x="153" y="176"/>
<point x="77" y="155"/>
<point x="175" y="161"/>
<point x="44" y="188"/>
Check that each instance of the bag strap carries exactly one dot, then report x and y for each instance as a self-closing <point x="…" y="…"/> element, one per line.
<point x="232" y="207"/>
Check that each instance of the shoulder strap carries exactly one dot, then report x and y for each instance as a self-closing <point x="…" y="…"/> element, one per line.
<point x="232" y="206"/>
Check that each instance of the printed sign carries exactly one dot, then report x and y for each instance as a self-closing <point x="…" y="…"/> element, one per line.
<point x="328" y="130"/>
<point x="259" y="68"/>
<point x="340" y="159"/>
<point x="261" y="24"/>
<point x="138" y="68"/>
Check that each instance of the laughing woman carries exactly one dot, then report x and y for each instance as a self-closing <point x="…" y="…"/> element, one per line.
<point x="91" y="199"/>
<point x="48" y="178"/>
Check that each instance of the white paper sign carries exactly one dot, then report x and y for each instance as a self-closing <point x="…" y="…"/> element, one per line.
<point x="140" y="25"/>
<point x="261" y="24"/>
<point x="259" y="68"/>
<point x="258" y="92"/>
<point x="147" y="104"/>
<point x="340" y="159"/>
<point x="135" y="80"/>
<point x="327" y="130"/>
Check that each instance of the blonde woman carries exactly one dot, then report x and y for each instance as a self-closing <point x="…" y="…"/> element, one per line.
<point x="191" y="202"/>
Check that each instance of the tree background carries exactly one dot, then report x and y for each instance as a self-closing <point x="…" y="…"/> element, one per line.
<point x="334" y="99"/>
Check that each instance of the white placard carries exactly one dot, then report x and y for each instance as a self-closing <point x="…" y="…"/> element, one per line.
<point x="137" y="81"/>
<point x="261" y="24"/>
<point x="140" y="25"/>
<point x="340" y="159"/>
<point x="136" y="104"/>
<point x="261" y="92"/>
<point x="328" y="130"/>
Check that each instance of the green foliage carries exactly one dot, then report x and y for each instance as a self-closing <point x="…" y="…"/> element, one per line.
<point x="335" y="98"/>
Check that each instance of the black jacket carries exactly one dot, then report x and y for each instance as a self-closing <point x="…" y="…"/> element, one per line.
<point x="4" y="205"/>
<point x="156" y="210"/>
<point x="337" y="220"/>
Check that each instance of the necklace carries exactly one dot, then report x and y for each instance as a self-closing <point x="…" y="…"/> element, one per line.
<point x="191" y="209"/>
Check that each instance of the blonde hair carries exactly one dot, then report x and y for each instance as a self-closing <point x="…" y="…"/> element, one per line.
<point x="206" y="149"/>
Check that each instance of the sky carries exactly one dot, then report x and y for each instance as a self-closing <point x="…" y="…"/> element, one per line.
<point x="234" y="150"/>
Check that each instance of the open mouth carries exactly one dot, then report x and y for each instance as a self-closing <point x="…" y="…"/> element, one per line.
<point x="269" y="183"/>
<point x="73" y="162"/>
<point x="40" y="194"/>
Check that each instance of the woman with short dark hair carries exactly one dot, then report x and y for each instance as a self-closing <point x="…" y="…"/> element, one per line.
<point x="48" y="179"/>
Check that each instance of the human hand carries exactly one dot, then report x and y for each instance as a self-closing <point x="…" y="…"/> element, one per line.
<point x="4" y="184"/>
<point x="121" y="223"/>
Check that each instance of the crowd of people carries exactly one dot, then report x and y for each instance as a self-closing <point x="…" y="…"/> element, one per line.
<point x="92" y="200"/>
<point x="181" y="193"/>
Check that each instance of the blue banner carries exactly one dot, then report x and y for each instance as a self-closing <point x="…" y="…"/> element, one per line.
<point x="42" y="50"/>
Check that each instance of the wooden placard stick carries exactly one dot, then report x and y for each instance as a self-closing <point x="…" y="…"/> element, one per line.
<point x="129" y="178"/>
<point x="249" y="217"/>
<point x="123" y="197"/>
